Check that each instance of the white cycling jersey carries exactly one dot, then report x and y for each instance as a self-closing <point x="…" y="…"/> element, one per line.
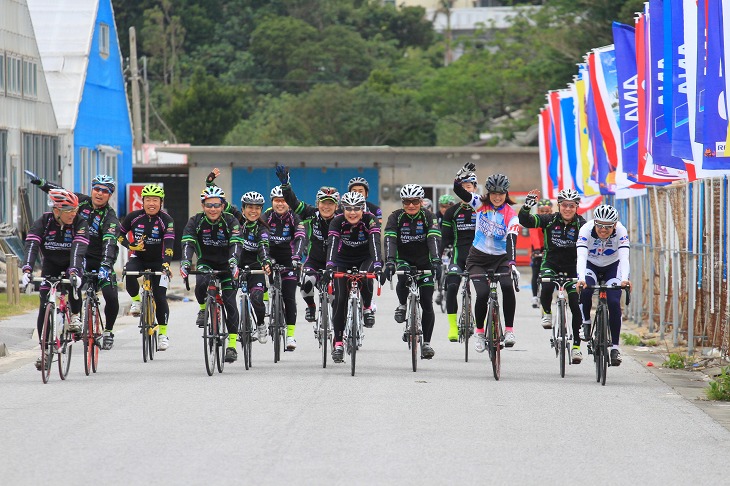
<point x="601" y="253"/>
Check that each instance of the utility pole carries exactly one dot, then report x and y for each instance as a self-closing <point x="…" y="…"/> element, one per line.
<point x="136" y="114"/>
<point x="146" y="87"/>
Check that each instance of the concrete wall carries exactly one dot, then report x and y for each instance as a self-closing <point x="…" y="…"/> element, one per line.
<point x="397" y="166"/>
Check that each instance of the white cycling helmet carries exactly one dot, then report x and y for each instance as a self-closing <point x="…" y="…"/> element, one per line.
<point x="605" y="213"/>
<point x="412" y="191"/>
<point x="569" y="195"/>
<point x="252" y="197"/>
<point x="353" y="199"/>
<point x="358" y="181"/>
<point x="212" y="191"/>
<point x="276" y="192"/>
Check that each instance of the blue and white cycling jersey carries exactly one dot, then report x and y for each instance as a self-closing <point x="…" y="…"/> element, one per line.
<point x="602" y="253"/>
<point x="492" y="226"/>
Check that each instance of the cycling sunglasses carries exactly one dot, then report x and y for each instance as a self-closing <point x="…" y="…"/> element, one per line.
<point x="101" y="189"/>
<point x="213" y="205"/>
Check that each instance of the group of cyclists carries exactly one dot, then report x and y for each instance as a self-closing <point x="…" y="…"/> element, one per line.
<point x="307" y="242"/>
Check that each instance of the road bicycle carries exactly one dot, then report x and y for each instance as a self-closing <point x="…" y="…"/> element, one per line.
<point x="56" y="340"/>
<point x="353" y="334"/>
<point x="93" y="327"/>
<point x="494" y="331"/>
<point x="600" y="342"/>
<point x="413" y="332"/>
<point x="246" y="315"/>
<point x="440" y="296"/>
<point x="148" y="328"/>
<point x="277" y="322"/>
<point x="215" y="333"/>
<point x="561" y="339"/>
<point x="323" y="324"/>
<point x="466" y="317"/>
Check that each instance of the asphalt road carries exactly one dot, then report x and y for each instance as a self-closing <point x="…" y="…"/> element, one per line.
<point x="167" y="422"/>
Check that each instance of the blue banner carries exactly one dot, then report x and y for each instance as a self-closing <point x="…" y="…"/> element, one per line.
<point x="701" y="68"/>
<point x="625" y="47"/>
<point x="660" y="145"/>
<point x="681" y="142"/>
<point x="554" y="151"/>
<point x="567" y="113"/>
<point x="602" y="170"/>
<point x="715" y="117"/>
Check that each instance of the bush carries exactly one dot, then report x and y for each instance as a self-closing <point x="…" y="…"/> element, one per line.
<point x="675" y="362"/>
<point x="720" y="386"/>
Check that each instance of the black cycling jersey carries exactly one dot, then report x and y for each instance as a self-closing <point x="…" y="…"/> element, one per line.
<point x="349" y="245"/>
<point x="311" y="240"/>
<point x="560" y="237"/>
<point x="458" y="228"/>
<point x="103" y="228"/>
<point x="374" y="209"/>
<point x="255" y="244"/>
<point x="282" y="230"/>
<point x="412" y="239"/>
<point x="214" y="242"/>
<point x="157" y="232"/>
<point x="62" y="246"/>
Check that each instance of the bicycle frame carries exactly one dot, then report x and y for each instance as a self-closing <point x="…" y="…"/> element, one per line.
<point x="413" y="328"/>
<point x="561" y="338"/>
<point x="93" y="325"/>
<point x="494" y="330"/>
<point x="466" y="317"/>
<point x="148" y="328"/>
<point x="55" y="340"/>
<point x="277" y="326"/>
<point x="246" y="328"/>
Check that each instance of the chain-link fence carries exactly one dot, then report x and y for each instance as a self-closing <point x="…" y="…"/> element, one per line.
<point x="679" y="262"/>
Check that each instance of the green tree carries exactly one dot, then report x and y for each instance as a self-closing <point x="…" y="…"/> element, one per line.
<point x="206" y="110"/>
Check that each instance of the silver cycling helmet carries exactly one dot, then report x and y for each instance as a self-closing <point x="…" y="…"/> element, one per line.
<point x="353" y="199"/>
<point x="358" y="181"/>
<point x="276" y="192"/>
<point x="568" y="195"/>
<point x="412" y="191"/>
<point x="252" y="197"/>
<point x="605" y="213"/>
<point x="497" y="183"/>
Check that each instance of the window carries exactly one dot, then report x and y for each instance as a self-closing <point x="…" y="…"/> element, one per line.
<point x="30" y="79"/>
<point x="104" y="40"/>
<point x="14" y="76"/>
<point x="2" y="73"/>
<point x="40" y="156"/>
<point x="5" y="197"/>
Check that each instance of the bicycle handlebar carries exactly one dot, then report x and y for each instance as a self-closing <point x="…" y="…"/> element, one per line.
<point x="135" y="273"/>
<point x="599" y="288"/>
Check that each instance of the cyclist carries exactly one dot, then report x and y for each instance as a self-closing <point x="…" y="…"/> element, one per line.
<point x="537" y="244"/>
<point x="445" y="202"/>
<point x="412" y="237"/>
<point x="255" y="255"/>
<point x="457" y="231"/>
<point x="103" y="250"/>
<point x="153" y="235"/>
<point x="427" y="204"/>
<point x="359" y="184"/>
<point x="61" y="236"/>
<point x="603" y="255"/>
<point x="283" y="223"/>
<point x="311" y="247"/>
<point x="353" y="241"/>
<point x="494" y="249"/>
<point x="215" y="238"/>
<point x="227" y="206"/>
<point x="561" y="234"/>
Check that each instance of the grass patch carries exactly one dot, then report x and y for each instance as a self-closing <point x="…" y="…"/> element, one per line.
<point x="720" y="387"/>
<point x="677" y="361"/>
<point x="630" y="339"/>
<point x="27" y="302"/>
<point x="650" y="342"/>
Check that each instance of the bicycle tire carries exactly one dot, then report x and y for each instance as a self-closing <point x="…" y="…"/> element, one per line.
<point x="596" y="347"/>
<point x="274" y="324"/>
<point x="561" y="337"/>
<point x="65" y="347"/>
<point x="143" y="330"/>
<point x="323" y="327"/>
<point x="151" y="328"/>
<point x="47" y="342"/>
<point x="496" y="345"/>
<point x="209" y="338"/>
<point x="353" y="339"/>
<point x="220" y="343"/>
<point x="605" y="349"/>
<point x="413" y="331"/>
<point x="244" y="331"/>
<point x="87" y="335"/>
<point x="98" y="336"/>
<point x="468" y="322"/>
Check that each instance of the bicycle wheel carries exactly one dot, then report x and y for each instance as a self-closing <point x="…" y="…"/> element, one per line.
<point x="496" y="348"/>
<point x="244" y="335"/>
<point x="468" y="323"/>
<point x="143" y="328"/>
<point x="562" y="343"/>
<point x="323" y="327"/>
<point x="47" y="342"/>
<point x="65" y="341"/>
<point x="353" y="339"/>
<point x="220" y="342"/>
<point x="151" y="328"/>
<point x="605" y="345"/>
<point x="98" y="335"/>
<point x="274" y="325"/>
<point x="87" y="335"/>
<point x="209" y="337"/>
<point x="413" y="332"/>
<point x="596" y="344"/>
